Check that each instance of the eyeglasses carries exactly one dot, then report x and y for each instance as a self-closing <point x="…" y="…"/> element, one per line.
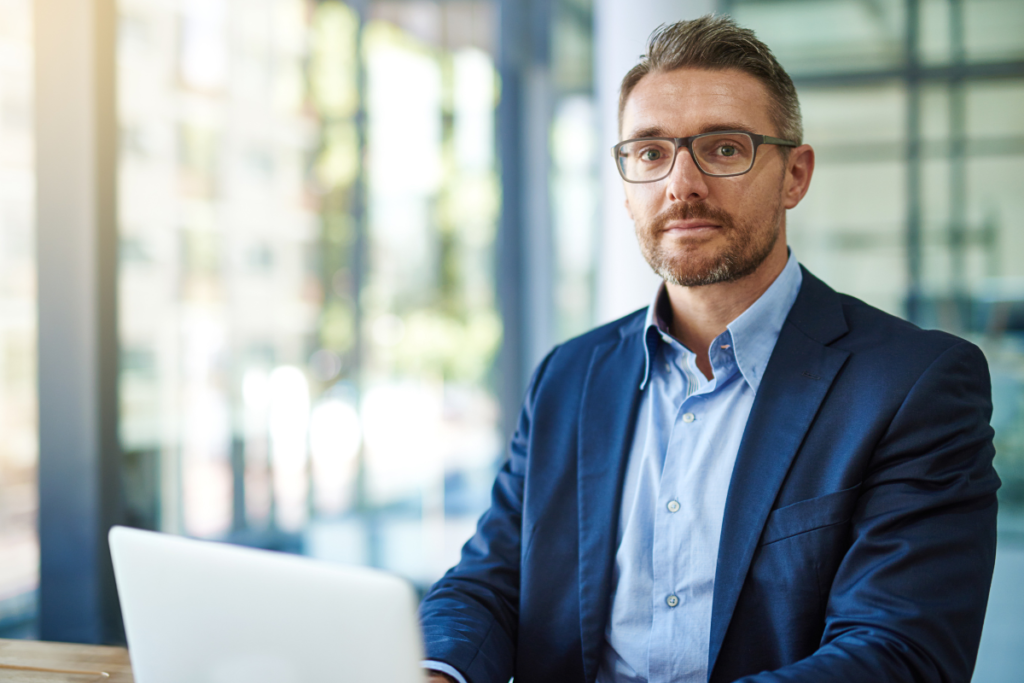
<point x="721" y="154"/>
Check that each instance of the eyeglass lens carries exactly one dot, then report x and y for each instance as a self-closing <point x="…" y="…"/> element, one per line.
<point x="717" y="154"/>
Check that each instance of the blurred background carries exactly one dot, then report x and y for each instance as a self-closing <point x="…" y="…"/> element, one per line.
<point x="276" y="271"/>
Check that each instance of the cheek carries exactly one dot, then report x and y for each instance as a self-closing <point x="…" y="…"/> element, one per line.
<point x="740" y="202"/>
<point x="641" y="203"/>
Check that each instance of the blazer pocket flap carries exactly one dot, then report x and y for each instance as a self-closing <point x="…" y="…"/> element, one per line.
<point x="808" y="515"/>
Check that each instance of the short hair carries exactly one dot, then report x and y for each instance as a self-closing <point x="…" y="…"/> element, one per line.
<point x="716" y="43"/>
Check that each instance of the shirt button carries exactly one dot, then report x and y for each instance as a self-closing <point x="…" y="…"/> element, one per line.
<point x="672" y="601"/>
<point x="689" y="417"/>
<point x="673" y="506"/>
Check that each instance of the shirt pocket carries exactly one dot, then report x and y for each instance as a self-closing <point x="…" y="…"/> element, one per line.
<point x="808" y="515"/>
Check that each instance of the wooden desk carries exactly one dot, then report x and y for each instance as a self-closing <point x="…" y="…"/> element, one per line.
<point x="32" y="653"/>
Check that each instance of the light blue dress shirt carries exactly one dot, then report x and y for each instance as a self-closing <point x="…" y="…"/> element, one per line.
<point x="687" y="436"/>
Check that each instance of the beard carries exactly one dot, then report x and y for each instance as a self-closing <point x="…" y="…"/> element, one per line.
<point x="748" y="244"/>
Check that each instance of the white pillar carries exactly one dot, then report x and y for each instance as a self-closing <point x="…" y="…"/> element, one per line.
<point x="621" y="27"/>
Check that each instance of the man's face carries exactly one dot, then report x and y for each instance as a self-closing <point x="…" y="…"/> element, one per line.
<point x="694" y="229"/>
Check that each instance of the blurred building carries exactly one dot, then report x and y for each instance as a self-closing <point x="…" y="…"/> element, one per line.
<point x="346" y="231"/>
<point x="308" y="207"/>
<point x="19" y="546"/>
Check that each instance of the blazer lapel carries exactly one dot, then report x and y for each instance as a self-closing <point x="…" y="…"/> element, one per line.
<point x="611" y="398"/>
<point x="798" y="377"/>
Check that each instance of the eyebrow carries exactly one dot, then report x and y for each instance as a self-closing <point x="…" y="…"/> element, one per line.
<point x="659" y="132"/>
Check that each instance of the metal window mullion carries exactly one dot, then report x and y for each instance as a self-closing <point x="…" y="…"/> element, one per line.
<point x="525" y="252"/>
<point x="958" y="171"/>
<point x="913" y="160"/>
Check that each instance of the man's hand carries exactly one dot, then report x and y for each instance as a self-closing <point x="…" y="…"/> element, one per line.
<point x="435" y="677"/>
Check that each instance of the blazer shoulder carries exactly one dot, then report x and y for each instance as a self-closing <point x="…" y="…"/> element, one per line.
<point x="844" y="321"/>
<point x="868" y="324"/>
<point x="894" y="352"/>
<point x="571" y="358"/>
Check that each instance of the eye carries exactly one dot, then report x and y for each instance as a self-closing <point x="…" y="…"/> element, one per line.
<point x="727" y="150"/>
<point x="650" y="154"/>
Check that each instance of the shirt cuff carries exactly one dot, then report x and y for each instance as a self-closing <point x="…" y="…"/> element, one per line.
<point x="446" y="669"/>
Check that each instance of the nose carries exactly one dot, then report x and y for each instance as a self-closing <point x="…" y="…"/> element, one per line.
<point x="686" y="183"/>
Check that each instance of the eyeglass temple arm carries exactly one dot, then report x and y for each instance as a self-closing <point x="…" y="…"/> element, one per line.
<point x="778" y="141"/>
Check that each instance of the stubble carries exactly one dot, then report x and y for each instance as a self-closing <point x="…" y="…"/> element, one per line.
<point x="747" y="246"/>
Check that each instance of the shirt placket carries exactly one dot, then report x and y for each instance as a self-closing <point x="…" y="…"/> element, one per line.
<point x="671" y="525"/>
<point x="689" y="646"/>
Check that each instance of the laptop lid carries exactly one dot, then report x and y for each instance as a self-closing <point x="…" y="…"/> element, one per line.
<point x="207" y="612"/>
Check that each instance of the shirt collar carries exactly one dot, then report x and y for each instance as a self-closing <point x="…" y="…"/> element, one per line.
<point x="753" y="334"/>
<point x="654" y="326"/>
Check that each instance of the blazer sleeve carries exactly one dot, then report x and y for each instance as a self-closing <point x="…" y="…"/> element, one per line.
<point x="470" y="617"/>
<point x="908" y="601"/>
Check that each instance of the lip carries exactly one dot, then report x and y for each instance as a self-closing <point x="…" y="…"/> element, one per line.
<point x="692" y="225"/>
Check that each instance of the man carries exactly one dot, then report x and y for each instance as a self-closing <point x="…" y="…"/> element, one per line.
<point x="756" y="478"/>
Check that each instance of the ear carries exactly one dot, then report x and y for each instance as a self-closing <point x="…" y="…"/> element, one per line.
<point x="799" y="170"/>
<point x="628" y="209"/>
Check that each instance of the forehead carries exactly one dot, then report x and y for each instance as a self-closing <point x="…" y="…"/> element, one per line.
<point x="689" y="101"/>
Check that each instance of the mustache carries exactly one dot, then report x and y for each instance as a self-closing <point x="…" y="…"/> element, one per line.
<point x="687" y="211"/>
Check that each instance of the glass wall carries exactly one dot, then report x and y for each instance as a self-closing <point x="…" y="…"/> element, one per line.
<point x="19" y="545"/>
<point x="309" y="205"/>
<point x="916" y="111"/>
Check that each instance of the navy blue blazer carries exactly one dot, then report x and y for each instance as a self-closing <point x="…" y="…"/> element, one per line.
<point x="859" y="532"/>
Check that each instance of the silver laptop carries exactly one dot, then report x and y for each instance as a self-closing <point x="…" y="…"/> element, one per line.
<point x="203" y="612"/>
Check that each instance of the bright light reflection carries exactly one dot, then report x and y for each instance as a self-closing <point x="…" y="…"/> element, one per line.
<point x="204" y="54"/>
<point x="404" y="93"/>
<point x="474" y="109"/>
<point x="206" y="468"/>
<point x="256" y="390"/>
<point x="334" y="438"/>
<point x="206" y="433"/>
<point x="256" y="396"/>
<point x="289" y="423"/>
<point x="402" y="425"/>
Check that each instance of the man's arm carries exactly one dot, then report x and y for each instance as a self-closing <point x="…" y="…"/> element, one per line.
<point x="908" y="601"/>
<point x="470" y="617"/>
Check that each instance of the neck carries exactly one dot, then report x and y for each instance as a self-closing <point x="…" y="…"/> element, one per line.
<point x="699" y="314"/>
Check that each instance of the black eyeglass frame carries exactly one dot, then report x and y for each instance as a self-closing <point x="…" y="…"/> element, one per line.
<point x="678" y="143"/>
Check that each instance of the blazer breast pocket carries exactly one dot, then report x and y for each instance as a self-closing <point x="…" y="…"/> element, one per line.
<point x="808" y="515"/>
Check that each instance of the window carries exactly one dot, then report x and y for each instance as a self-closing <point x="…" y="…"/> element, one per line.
<point x="19" y="543"/>
<point x="309" y="204"/>
<point x="923" y="216"/>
